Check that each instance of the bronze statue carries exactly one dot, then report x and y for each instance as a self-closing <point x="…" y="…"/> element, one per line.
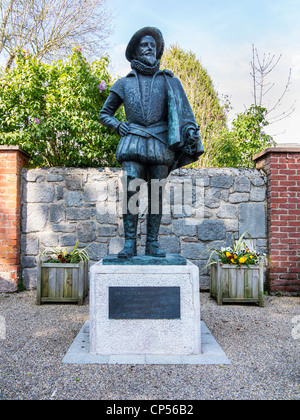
<point x="160" y="135"/>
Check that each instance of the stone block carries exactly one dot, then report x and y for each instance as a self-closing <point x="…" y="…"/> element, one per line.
<point x="33" y="175"/>
<point x="232" y="225"/>
<point x="225" y="195"/>
<point x="108" y="231"/>
<point x="261" y="243"/>
<point x="54" y="178"/>
<point x="166" y="219"/>
<point x="87" y="231"/>
<point x="227" y="211"/>
<point x="164" y="230"/>
<point x="29" y="276"/>
<point x="258" y="181"/>
<point x="96" y="191"/>
<point x="212" y="198"/>
<point x="181" y="228"/>
<point x="211" y="230"/>
<point x="97" y="250"/>
<point x="242" y="184"/>
<point x="106" y="213"/>
<point x="258" y="194"/>
<point x="59" y="192"/>
<point x="66" y="228"/>
<point x="153" y="335"/>
<point x="34" y="218"/>
<point x="57" y="213"/>
<point x="38" y="193"/>
<point x="252" y="219"/>
<point x="78" y="214"/>
<point x="236" y="198"/>
<point x="73" y="199"/>
<point x="28" y="262"/>
<point x="29" y="246"/>
<point x="195" y="251"/>
<point x="49" y="239"/>
<point x="222" y="181"/>
<point x="68" y="240"/>
<point x="73" y="182"/>
<point x="170" y="244"/>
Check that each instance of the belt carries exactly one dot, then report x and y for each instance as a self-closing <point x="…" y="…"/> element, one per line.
<point x="151" y="131"/>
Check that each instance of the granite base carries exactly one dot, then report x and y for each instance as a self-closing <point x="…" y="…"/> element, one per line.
<point x="79" y="353"/>
<point x="135" y="335"/>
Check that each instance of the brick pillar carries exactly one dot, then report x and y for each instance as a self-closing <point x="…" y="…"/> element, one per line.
<point x="282" y="165"/>
<point x="12" y="160"/>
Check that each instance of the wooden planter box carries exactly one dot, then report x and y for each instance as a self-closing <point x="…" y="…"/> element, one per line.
<point x="231" y="284"/>
<point x="62" y="283"/>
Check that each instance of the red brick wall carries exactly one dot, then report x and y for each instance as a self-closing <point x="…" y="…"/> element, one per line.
<point x="12" y="159"/>
<point x="282" y="165"/>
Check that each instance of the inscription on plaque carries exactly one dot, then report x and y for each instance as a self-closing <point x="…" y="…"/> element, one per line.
<point x="144" y="303"/>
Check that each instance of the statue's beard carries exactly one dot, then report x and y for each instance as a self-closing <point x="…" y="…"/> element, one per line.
<point x="149" y="60"/>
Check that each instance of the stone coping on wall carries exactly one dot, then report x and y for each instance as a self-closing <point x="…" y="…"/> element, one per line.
<point x="13" y="149"/>
<point x="281" y="148"/>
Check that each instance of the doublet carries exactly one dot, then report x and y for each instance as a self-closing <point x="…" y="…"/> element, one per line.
<point x="145" y="100"/>
<point x="159" y="116"/>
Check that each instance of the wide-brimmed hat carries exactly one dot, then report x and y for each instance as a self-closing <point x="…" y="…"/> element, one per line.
<point x="155" y="33"/>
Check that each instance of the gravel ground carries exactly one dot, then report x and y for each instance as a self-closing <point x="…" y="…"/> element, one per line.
<point x="265" y="357"/>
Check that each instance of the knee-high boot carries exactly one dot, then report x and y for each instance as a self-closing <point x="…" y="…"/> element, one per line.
<point x="152" y="245"/>
<point x="153" y="225"/>
<point x="130" y="222"/>
<point x="130" y="227"/>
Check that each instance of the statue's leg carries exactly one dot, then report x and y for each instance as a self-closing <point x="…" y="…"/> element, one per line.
<point x="132" y="171"/>
<point x="158" y="175"/>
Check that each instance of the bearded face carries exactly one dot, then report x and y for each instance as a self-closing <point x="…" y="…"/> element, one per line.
<point x="146" y="50"/>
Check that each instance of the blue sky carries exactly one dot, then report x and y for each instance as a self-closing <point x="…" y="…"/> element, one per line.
<point x="221" y="34"/>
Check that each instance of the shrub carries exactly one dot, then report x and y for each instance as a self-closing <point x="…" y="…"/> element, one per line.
<point x="52" y="111"/>
<point x="246" y="138"/>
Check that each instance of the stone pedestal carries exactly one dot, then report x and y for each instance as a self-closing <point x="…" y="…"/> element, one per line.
<point x="145" y="310"/>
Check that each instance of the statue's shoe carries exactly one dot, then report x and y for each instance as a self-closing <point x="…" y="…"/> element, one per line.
<point x="152" y="249"/>
<point x="129" y="250"/>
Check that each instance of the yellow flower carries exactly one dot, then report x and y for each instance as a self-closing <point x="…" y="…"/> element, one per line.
<point x="235" y="257"/>
<point x="242" y="260"/>
<point x="233" y="261"/>
<point x="251" y="257"/>
<point x="228" y="255"/>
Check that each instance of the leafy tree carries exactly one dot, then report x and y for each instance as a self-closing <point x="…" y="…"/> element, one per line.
<point x="246" y="138"/>
<point x="204" y="100"/>
<point x="52" y="111"/>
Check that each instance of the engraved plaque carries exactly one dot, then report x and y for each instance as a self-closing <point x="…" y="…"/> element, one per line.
<point x="144" y="303"/>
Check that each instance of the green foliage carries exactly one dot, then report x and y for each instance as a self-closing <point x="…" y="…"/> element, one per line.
<point x="204" y="100"/>
<point x="52" y="111"/>
<point x="20" y="283"/>
<point x="246" y="138"/>
<point x="62" y="256"/>
<point x="240" y="254"/>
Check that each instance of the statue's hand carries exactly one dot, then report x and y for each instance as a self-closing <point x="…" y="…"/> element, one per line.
<point x="192" y="139"/>
<point x="124" y="129"/>
<point x="193" y="134"/>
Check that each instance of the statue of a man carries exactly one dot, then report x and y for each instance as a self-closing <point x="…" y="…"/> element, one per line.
<point x="160" y="135"/>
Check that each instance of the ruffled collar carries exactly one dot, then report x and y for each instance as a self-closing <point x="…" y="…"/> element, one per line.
<point x="144" y="68"/>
